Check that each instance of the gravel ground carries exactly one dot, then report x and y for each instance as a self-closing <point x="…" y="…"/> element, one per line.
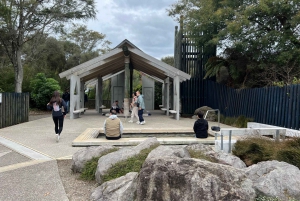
<point x="76" y="189"/>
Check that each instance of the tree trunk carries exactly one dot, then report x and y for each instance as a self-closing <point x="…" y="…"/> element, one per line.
<point x="18" y="72"/>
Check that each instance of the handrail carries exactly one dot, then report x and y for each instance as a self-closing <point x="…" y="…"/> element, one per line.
<point x="218" y="115"/>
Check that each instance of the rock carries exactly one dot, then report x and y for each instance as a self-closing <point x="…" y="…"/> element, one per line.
<point x="169" y="151"/>
<point x="221" y="157"/>
<point x="211" y="116"/>
<point x="122" y="188"/>
<point x="83" y="155"/>
<point x="107" y="161"/>
<point x="275" y="179"/>
<point x="188" y="179"/>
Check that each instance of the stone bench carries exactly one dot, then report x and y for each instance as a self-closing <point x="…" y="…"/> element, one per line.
<point x="79" y="111"/>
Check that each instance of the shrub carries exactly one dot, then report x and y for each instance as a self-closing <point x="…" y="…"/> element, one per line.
<point x="42" y="89"/>
<point x="290" y="155"/>
<point x="133" y="164"/>
<point x="90" y="167"/>
<point x="254" y="149"/>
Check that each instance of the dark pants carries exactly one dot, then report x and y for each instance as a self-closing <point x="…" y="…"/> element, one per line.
<point x="59" y="123"/>
<point x="140" y="113"/>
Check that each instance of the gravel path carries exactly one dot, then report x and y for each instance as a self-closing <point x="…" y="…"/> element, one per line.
<point x="75" y="188"/>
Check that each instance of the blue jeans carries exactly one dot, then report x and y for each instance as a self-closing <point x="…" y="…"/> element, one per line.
<point x="140" y="113"/>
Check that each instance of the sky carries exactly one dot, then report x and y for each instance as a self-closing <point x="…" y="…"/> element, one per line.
<point x="145" y="23"/>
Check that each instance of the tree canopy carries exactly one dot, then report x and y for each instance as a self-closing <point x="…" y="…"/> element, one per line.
<point x="258" y="39"/>
<point x="22" y="21"/>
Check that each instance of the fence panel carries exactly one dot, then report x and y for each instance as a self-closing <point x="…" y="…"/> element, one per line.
<point x="14" y="109"/>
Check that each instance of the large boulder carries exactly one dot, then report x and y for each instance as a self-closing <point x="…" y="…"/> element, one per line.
<point x="169" y="151"/>
<point x="83" y="155"/>
<point x="107" y="161"/>
<point x="275" y="179"/>
<point x="122" y="188"/>
<point x="220" y="157"/>
<point x="211" y="116"/>
<point x="188" y="179"/>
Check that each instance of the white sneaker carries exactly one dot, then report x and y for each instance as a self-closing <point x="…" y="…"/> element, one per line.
<point x="143" y="122"/>
<point x="138" y="122"/>
<point x="57" y="137"/>
<point x="130" y="121"/>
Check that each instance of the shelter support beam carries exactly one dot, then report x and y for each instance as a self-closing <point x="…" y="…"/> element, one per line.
<point x="74" y="94"/>
<point x="176" y="84"/>
<point x="127" y="87"/>
<point x="99" y="95"/>
<point x="167" y="94"/>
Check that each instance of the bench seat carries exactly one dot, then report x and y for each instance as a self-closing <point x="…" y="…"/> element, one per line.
<point x="163" y="109"/>
<point x="173" y="111"/>
<point x="79" y="111"/>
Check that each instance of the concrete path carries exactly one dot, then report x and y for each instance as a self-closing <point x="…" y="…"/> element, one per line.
<point x="28" y="152"/>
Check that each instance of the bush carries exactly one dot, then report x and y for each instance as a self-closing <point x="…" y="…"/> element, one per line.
<point x="290" y="155"/>
<point x="42" y="89"/>
<point x="133" y="164"/>
<point x="255" y="149"/>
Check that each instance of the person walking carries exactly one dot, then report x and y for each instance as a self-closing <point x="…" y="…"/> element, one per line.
<point x="66" y="97"/>
<point x="201" y="127"/>
<point x="59" y="110"/>
<point x="141" y="107"/>
<point x="113" y="127"/>
<point x="134" y="108"/>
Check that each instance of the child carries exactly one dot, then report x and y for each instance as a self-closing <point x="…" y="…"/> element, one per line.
<point x="201" y="127"/>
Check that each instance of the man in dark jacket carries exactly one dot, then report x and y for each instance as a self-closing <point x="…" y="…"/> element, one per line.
<point x="201" y="126"/>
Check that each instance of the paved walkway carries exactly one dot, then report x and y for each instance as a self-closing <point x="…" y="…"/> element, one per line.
<point x="28" y="153"/>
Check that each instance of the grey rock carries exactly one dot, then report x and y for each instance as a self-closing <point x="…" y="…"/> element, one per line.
<point x="274" y="178"/>
<point x="83" y="155"/>
<point x="120" y="189"/>
<point x="169" y="151"/>
<point x="107" y="161"/>
<point x="188" y="179"/>
<point x="220" y="157"/>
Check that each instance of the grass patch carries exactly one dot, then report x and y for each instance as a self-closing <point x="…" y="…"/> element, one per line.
<point x="252" y="150"/>
<point x="90" y="167"/>
<point x="133" y="164"/>
<point x="201" y="155"/>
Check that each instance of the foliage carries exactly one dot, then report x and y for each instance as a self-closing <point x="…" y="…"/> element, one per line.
<point x="255" y="149"/>
<point x="265" y="198"/>
<point x="168" y="60"/>
<point x="42" y="89"/>
<point x="257" y="39"/>
<point x="90" y="167"/>
<point x="239" y="122"/>
<point x="201" y="155"/>
<point x="282" y="83"/>
<point x="23" y="21"/>
<point x="7" y="77"/>
<point x="133" y="164"/>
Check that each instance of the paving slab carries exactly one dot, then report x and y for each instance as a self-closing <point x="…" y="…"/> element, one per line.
<point x="33" y="183"/>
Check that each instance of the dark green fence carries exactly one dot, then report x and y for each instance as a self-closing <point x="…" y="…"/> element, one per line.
<point x="278" y="106"/>
<point x="14" y="109"/>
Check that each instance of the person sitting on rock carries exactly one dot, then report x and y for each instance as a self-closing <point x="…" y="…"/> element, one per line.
<point x="201" y="127"/>
<point x="113" y="127"/>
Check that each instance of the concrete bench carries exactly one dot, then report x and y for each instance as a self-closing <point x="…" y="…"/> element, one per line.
<point x="173" y="111"/>
<point x="79" y="111"/>
<point x="160" y="106"/>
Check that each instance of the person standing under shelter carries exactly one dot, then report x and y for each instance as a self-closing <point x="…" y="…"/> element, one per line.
<point x="113" y="127"/>
<point x="134" y="108"/>
<point x="141" y="107"/>
<point x="59" y="110"/>
<point x="66" y="97"/>
<point x="201" y="127"/>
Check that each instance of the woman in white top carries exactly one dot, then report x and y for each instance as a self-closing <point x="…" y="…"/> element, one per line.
<point x="134" y="108"/>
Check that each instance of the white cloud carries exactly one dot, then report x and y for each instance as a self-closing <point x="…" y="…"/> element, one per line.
<point x="144" y="23"/>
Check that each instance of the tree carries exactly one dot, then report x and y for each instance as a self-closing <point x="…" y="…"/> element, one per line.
<point x="22" y="21"/>
<point x="262" y="32"/>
